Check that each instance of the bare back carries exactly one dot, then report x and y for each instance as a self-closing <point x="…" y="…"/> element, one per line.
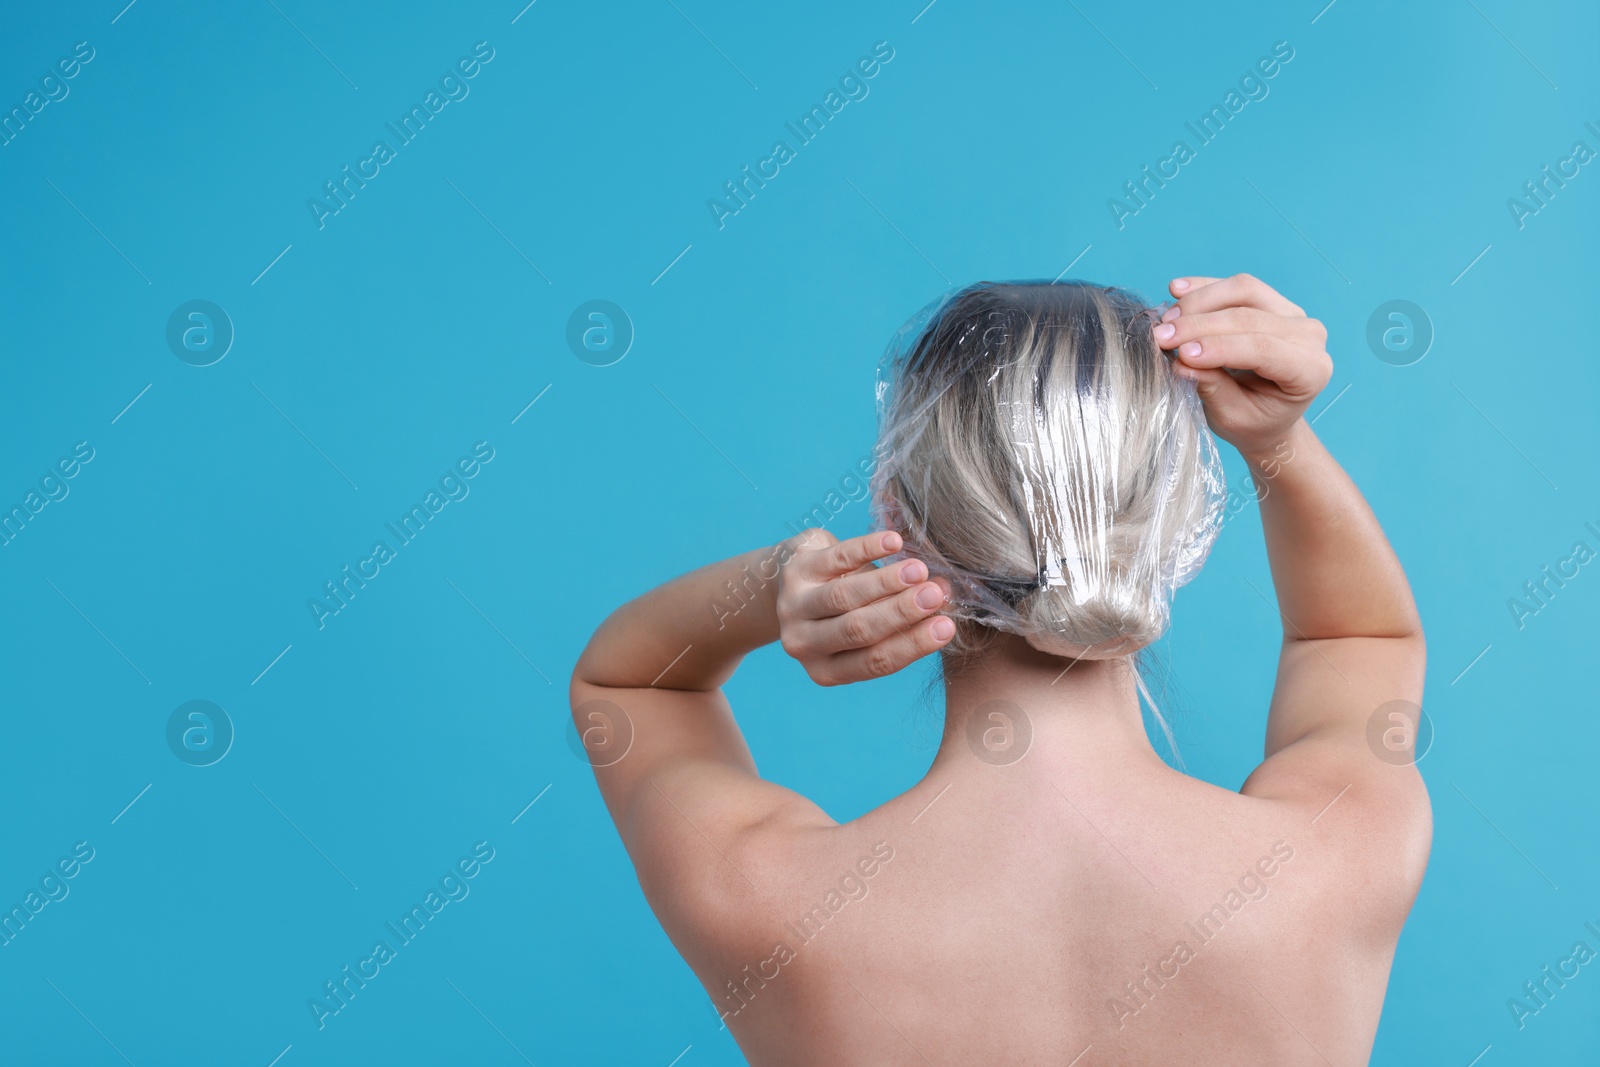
<point x="1005" y="916"/>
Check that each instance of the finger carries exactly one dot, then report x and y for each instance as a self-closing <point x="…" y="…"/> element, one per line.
<point x="1181" y="287"/>
<point x="1214" y="385"/>
<point x="1298" y="370"/>
<point x="894" y="653"/>
<point x="868" y="625"/>
<point x="808" y="541"/>
<point x="1241" y="290"/>
<point x="1235" y="320"/>
<point x="852" y="591"/>
<point x="843" y="557"/>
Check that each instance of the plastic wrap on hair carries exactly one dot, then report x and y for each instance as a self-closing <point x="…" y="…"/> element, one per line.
<point x="1037" y="451"/>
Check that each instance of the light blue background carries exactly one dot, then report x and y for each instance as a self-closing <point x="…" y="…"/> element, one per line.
<point x="424" y="718"/>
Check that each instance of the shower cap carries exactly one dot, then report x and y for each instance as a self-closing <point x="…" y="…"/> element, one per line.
<point x="1037" y="451"/>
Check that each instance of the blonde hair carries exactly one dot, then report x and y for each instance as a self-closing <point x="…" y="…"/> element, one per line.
<point x="1036" y="450"/>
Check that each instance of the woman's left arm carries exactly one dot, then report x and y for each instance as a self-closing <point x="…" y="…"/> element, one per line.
<point x="844" y="618"/>
<point x="646" y="692"/>
<point x="690" y="633"/>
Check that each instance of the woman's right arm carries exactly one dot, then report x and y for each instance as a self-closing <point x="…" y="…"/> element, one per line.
<point x="1334" y="571"/>
<point x="1336" y="579"/>
<point x="1345" y="708"/>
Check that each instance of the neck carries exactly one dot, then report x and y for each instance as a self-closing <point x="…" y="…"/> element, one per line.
<point x="1062" y="715"/>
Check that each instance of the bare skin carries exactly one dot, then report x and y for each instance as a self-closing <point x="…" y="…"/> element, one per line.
<point x="1051" y="892"/>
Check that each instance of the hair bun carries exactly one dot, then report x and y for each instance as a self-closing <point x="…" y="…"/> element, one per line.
<point x="1117" y="622"/>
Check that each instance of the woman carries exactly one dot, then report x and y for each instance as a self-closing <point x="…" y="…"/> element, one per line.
<point x="1051" y="892"/>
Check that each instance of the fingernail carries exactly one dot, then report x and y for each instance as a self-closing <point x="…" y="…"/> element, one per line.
<point x="1189" y="349"/>
<point x="943" y="629"/>
<point x="929" y="597"/>
<point x="1180" y="284"/>
<point x="891" y="542"/>
<point x="1171" y="313"/>
<point x="913" y="572"/>
<point x="1165" y="331"/>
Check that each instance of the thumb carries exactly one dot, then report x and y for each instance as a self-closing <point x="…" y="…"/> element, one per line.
<point x="1210" y="382"/>
<point x="812" y="539"/>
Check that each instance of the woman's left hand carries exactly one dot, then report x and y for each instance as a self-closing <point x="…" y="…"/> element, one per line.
<point x="846" y="619"/>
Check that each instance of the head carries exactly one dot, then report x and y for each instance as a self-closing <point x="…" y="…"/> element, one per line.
<point x="1037" y="451"/>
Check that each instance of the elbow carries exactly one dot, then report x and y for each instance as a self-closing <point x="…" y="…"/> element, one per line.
<point x="589" y="679"/>
<point x="1396" y="620"/>
<point x="1392" y="612"/>
<point x="591" y="668"/>
<point x="1408" y="619"/>
<point x="1412" y="634"/>
<point x="1408" y="630"/>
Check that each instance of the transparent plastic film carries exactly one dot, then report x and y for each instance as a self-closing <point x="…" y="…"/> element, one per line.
<point x="1037" y="451"/>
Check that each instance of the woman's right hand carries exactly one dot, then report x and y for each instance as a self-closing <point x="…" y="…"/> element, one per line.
<point x="846" y="619"/>
<point x="1256" y="360"/>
